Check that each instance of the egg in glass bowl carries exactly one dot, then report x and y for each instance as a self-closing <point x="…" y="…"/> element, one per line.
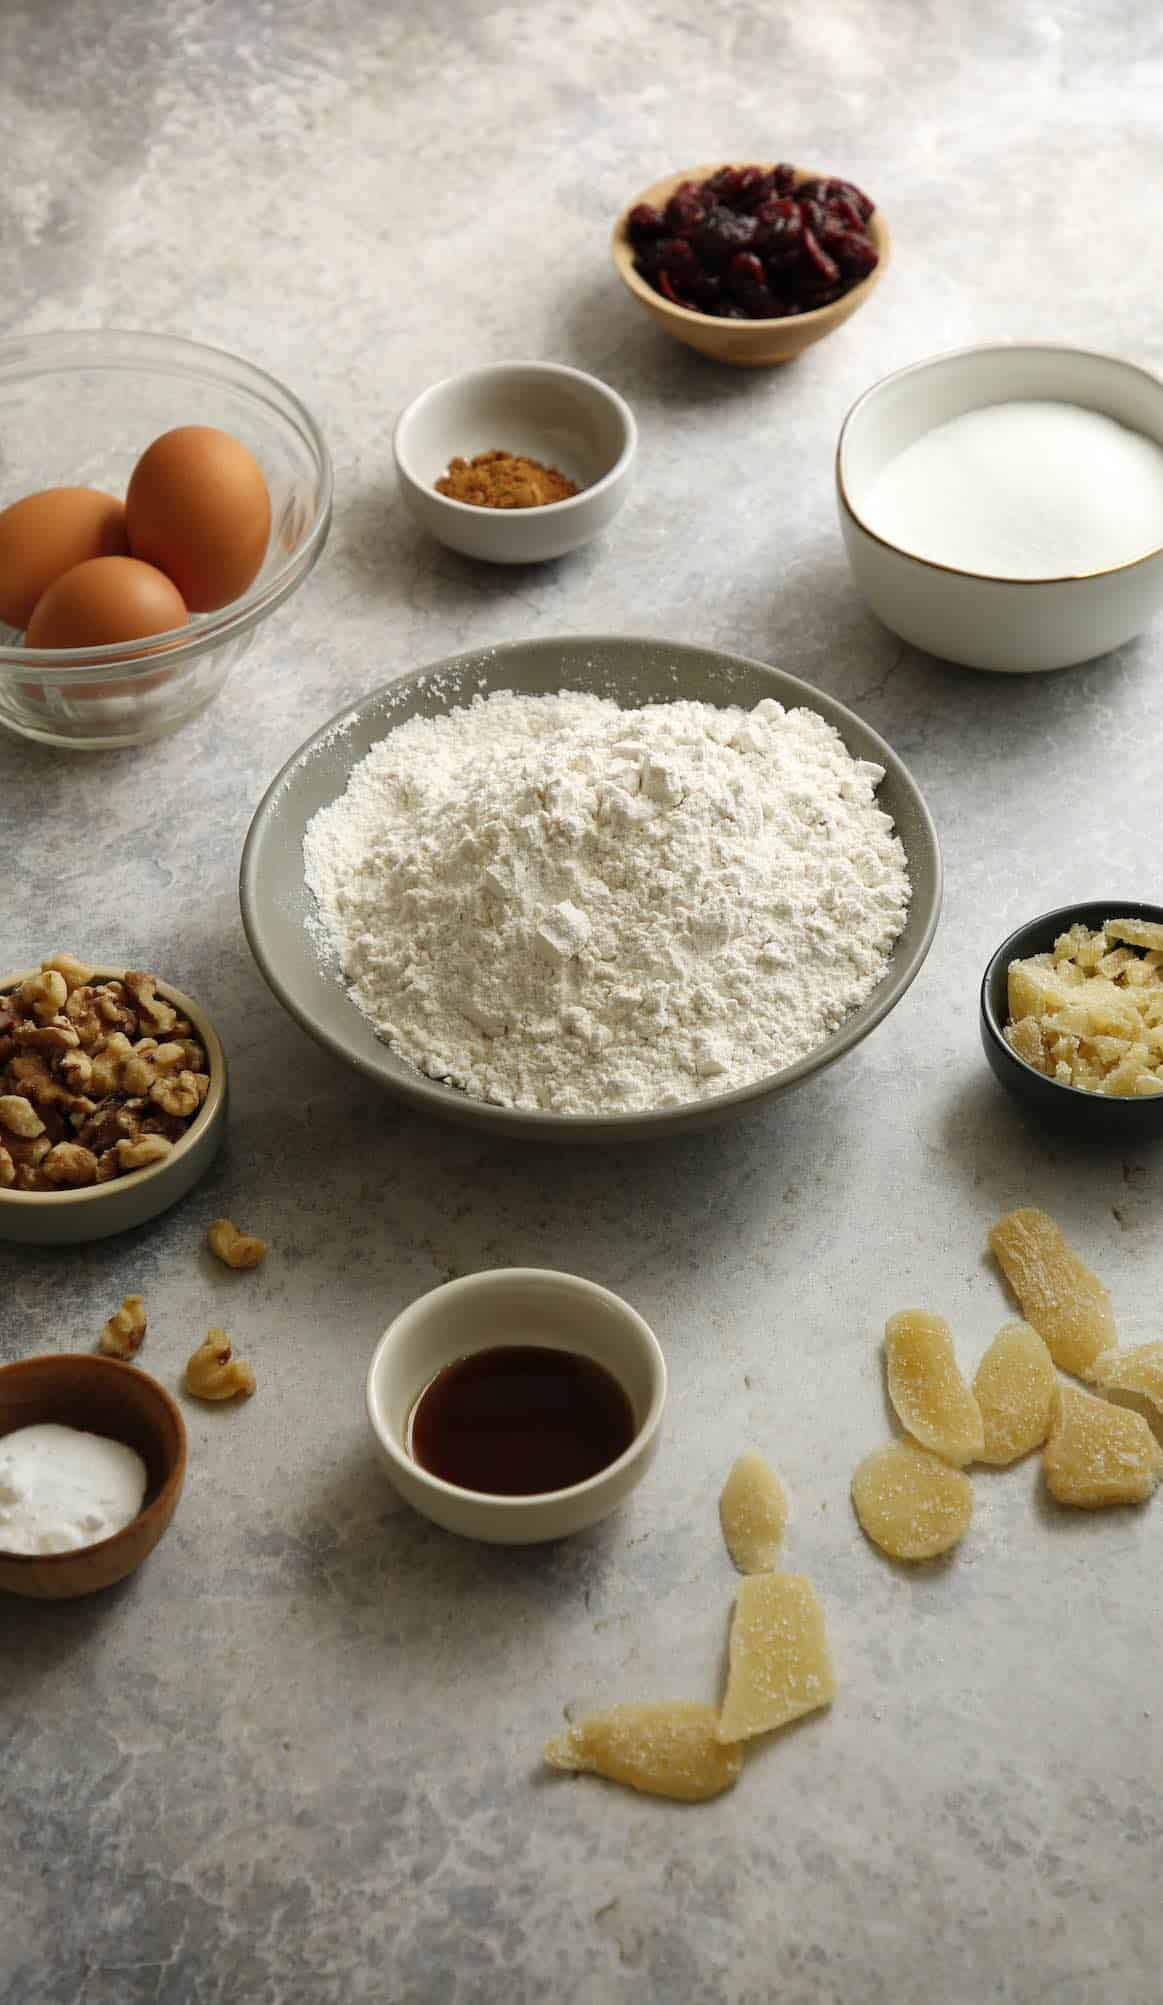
<point x="78" y="412"/>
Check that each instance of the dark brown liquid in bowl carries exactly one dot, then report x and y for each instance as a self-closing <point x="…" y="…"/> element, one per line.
<point x="521" y="1419"/>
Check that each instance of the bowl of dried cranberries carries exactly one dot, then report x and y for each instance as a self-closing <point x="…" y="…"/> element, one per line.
<point x="750" y="265"/>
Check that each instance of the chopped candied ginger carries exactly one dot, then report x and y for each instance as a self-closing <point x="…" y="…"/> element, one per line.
<point x="669" y="1749"/>
<point x="1138" y="1371"/>
<point x="1091" y="1014"/>
<point x="753" y="1514"/>
<point x="910" y="1503"/>
<point x="779" y="1666"/>
<point x="1065" y="1302"/>
<point x="1136" y="932"/>
<point x="1099" y="1454"/>
<point x="930" y="1397"/>
<point x="1014" y="1389"/>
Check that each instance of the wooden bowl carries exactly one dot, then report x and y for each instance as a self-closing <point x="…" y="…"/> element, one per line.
<point x="96" y="1211"/>
<point x="745" y="344"/>
<point x="104" y="1397"/>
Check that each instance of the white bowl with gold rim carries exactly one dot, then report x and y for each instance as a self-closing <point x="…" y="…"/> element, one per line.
<point x="1009" y="625"/>
<point x="502" y="1307"/>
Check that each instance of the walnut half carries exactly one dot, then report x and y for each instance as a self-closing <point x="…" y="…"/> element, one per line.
<point x="123" y="1333"/>
<point x="235" y="1248"/>
<point x="215" y="1373"/>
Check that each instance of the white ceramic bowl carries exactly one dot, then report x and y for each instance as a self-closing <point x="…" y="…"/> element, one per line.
<point x="1013" y="625"/>
<point x="541" y="410"/>
<point x="67" y="1217"/>
<point x="514" y="1305"/>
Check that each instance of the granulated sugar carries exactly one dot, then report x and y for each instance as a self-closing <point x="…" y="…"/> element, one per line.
<point x="1023" y="490"/>
<point x="554" y="903"/>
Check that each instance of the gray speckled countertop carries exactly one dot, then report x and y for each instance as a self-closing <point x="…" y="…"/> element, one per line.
<point x="295" y="1761"/>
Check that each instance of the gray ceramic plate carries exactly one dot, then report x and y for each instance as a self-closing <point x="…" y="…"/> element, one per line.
<point x="276" y="904"/>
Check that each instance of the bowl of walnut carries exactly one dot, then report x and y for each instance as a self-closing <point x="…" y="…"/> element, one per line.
<point x="112" y="1100"/>
<point x="1072" y="1018"/>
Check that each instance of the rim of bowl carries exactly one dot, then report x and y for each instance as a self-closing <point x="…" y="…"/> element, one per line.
<point x="957" y="355"/>
<point x="207" y="1036"/>
<point x="625" y="415"/>
<point x="624" y="259"/>
<point x="1060" y="917"/>
<point x="241" y="614"/>
<point x="492" y="1277"/>
<point x="427" y="1094"/>
<point x="174" y="1475"/>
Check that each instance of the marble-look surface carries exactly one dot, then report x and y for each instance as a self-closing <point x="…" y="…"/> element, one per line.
<point x="295" y="1761"/>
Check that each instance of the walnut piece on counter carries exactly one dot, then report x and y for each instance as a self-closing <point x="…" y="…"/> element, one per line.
<point x="235" y="1248"/>
<point x="123" y="1333"/>
<point x="215" y="1373"/>
<point x="104" y="1076"/>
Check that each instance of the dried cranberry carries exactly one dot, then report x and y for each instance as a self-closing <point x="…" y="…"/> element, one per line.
<point x="754" y="187"/>
<point x="748" y="282"/>
<point x="645" y="223"/>
<point x="783" y="178"/>
<point x="818" y="268"/>
<point x="665" y="285"/>
<point x="780" y="233"/>
<point x="853" y="253"/>
<point x="676" y="258"/>
<point x="842" y="209"/>
<point x="814" y="214"/>
<point x="721" y="234"/>
<point x="684" y="212"/>
<point x="722" y="186"/>
<point x="826" y="192"/>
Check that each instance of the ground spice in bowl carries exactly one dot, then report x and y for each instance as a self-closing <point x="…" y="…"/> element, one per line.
<point x="501" y="479"/>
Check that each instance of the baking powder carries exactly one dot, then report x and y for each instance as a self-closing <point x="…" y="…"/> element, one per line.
<point x="551" y="902"/>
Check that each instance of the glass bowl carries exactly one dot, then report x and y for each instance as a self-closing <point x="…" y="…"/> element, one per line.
<point x="78" y="410"/>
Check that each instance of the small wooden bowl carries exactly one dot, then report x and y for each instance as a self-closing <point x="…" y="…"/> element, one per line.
<point x="745" y="344"/>
<point x="104" y="1397"/>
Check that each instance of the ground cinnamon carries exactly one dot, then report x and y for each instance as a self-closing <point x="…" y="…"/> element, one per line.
<point x="500" y="479"/>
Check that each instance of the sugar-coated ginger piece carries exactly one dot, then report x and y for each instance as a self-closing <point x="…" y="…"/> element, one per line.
<point x="667" y="1749"/>
<point x="910" y="1503"/>
<point x="1099" y="1454"/>
<point x="779" y="1665"/>
<point x="1014" y="1390"/>
<point x="1135" y="932"/>
<point x="1138" y="1371"/>
<point x="753" y="1514"/>
<point x="930" y="1397"/>
<point x="1056" y="1292"/>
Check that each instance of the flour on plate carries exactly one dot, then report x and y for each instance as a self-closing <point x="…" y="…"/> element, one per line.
<point x="554" y="903"/>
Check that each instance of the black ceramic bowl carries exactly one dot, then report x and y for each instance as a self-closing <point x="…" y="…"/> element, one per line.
<point x="1090" y="1116"/>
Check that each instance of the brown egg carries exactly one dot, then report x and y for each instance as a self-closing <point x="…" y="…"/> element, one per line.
<point x="198" y="508"/>
<point x="44" y="535"/>
<point x="107" y="600"/>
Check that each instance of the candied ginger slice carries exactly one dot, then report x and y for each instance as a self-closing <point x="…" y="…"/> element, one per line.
<point x="1014" y="1389"/>
<point x="1136" y="932"/>
<point x="1025" y="1037"/>
<point x="1139" y="1371"/>
<point x="753" y="1514"/>
<point x="668" y="1749"/>
<point x="1065" y="1302"/>
<point x="1099" y="1454"/>
<point x="931" y="1398"/>
<point x="779" y="1666"/>
<point x="910" y="1503"/>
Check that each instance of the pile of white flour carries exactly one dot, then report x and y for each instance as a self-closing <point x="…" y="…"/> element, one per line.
<point x="555" y="903"/>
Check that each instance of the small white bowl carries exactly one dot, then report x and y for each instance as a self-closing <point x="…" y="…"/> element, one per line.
<point x="541" y="410"/>
<point x="97" y="1211"/>
<point x="514" y="1305"/>
<point x="1011" y="625"/>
